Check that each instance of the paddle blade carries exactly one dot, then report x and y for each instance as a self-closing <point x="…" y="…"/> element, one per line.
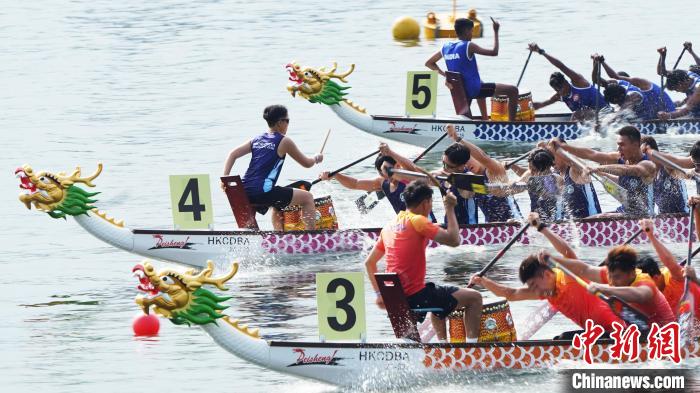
<point x="686" y="319"/>
<point x="627" y="313"/>
<point x="368" y="201"/>
<point x="301" y="184"/>
<point x="615" y="190"/>
<point x="465" y="181"/>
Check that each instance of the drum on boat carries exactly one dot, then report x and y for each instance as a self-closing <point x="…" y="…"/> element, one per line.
<point x="496" y="324"/>
<point x="325" y="215"/>
<point x="499" y="108"/>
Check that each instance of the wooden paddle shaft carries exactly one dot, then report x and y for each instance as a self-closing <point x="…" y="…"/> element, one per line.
<point x="359" y="160"/>
<point x="679" y="58"/>
<point x="519" y="158"/>
<point x="503" y="251"/>
<point x="323" y="146"/>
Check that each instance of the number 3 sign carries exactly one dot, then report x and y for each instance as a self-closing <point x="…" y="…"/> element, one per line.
<point x="421" y="93"/>
<point x="341" y="306"/>
<point x="190" y="196"/>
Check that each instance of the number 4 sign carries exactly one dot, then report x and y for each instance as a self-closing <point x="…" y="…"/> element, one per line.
<point x="341" y="306"/>
<point x="190" y="197"/>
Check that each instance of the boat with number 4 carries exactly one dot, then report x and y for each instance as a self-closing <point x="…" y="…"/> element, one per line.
<point x="60" y="195"/>
<point x="183" y="299"/>
<point x="319" y="86"/>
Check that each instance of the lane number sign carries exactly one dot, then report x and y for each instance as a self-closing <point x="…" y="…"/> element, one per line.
<point x="341" y="305"/>
<point x="190" y="197"/>
<point x="421" y="93"/>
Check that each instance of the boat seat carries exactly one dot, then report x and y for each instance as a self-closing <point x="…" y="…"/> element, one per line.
<point x="243" y="210"/>
<point x="403" y="318"/>
<point x="460" y="99"/>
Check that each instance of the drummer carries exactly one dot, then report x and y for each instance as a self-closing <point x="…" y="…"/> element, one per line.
<point x="391" y="185"/>
<point x="560" y="290"/>
<point x="643" y="97"/>
<point x="634" y="171"/>
<point x="269" y="151"/>
<point x="670" y="195"/>
<point x="497" y="206"/>
<point x="580" y="95"/>
<point x="625" y="281"/>
<point x="460" y="57"/>
<point x="403" y="242"/>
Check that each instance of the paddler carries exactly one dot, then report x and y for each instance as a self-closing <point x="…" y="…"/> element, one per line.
<point x="670" y="195"/>
<point x="690" y="162"/>
<point x="460" y="56"/>
<point x="693" y="67"/>
<point x="682" y="82"/>
<point x="269" y="151"/>
<point x="626" y="282"/>
<point x="390" y="184"/>
<point x="560" y="290"/>
<point x="456" y="159"/>
<point x="634" y="171"/>
<point x="403" y="242"/>
<point x="643" y="97"/>
<point x="544" y="187"/>
<point x="669" y="279"/>
<point x="497" y="206"/>
<point x="580" y="95"/>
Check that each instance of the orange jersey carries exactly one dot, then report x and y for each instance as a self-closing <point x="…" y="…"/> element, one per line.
<point x="576" y="303"/>
<point x="657" y="308"/>
<point x="403" y="242"/>
<point x="673" y="290"/>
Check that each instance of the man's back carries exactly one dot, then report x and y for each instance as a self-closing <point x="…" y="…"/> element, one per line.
<point x="456" y="55"/>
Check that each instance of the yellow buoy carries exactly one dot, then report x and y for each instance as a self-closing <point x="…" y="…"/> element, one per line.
<point x="405" y="28"/>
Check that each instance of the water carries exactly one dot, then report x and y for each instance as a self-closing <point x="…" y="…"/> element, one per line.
<point x="169" y="87"/>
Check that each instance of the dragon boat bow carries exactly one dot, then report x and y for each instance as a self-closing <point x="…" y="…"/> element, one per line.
<point x="59" y="195"/>
<point x="318" y="86"/>
<point x="181" y="298"/>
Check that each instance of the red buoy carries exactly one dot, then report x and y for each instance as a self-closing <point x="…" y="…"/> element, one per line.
<point x="146" y="325"/>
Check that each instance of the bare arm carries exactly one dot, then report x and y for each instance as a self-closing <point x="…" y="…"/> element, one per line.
<point x="689" y="47"/>
<point x="473" y="48"/>
<point x="287" y="146"/>
<point x="683" y="162"/>
<point x="235" y="154"/>
<point x="577" y="79"/>
<point x="520" y="171"/>
<point x="640" y="294"/>
<point x="557" y="242"/>
<point x="661" y="65"/>
<point x="580" y="268"/>
<point x="590" y="154"/>
<point x="551" y="100"/>
<point x="690" y="103"/>
<point x="449" y="236"/>
<point x="665" y="255"/>
<point x="359" y="184"/>
<point x="432" y="63"/>
<point x="645" y="169"/>
<point x="511" y="294"/>
<point x="371" y="264"/>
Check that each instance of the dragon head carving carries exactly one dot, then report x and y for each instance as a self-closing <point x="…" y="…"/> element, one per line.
<point x="181" y="297"/>
<point x="56" y="194"/>
<point x="316" y="85"/>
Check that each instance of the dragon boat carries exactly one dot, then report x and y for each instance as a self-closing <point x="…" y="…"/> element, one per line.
<point x="319" y="86"/>
<point x="182" y="298"/>
<point x="60" y="195"/>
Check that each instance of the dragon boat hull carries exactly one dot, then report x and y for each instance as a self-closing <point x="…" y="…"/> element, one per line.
<point x="198" y="246"/>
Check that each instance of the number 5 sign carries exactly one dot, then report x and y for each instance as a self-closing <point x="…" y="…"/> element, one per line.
<point x="421" y="93"/>
<point x="341" y="306"/>
<point x="190" y="197"/>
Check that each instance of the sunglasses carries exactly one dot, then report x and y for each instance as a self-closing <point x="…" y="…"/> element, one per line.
<point x="450" y="167"/>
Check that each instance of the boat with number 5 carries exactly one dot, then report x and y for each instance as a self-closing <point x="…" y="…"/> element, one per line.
<point x="183" y="299"/>
<point x="319" y="86"/>
<point x="61" y="195"/>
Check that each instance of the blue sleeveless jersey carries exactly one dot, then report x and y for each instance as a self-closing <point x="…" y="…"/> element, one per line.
<point x="583" y="98"/>
<point x="580" y="200"/>
<point x="265" y="165"/>
<point x="497" y="209"/>
<point x="640" y="196"/>
<point x="670" y="194"/>
<point x="456" y="59"/>
<point x="545" y="197"/>
<point x="465" y="210"/>
<point x="694" y="112"/>
<point x="395" y="198"/>
<point x="662" y="104"/>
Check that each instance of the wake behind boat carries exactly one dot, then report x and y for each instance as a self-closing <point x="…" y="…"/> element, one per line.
<point x="60" y="195"/>
<point x="319" y="86"/>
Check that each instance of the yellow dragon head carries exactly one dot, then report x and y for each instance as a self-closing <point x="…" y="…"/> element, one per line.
<point x="56" y="194"/>
<point x="180" y="296"/>
<point x="316" y="85"/>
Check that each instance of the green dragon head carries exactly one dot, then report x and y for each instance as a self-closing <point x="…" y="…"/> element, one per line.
<point x="56" y="194"/>
<point x="180" y="296"/>
<point x="316" y="85"/>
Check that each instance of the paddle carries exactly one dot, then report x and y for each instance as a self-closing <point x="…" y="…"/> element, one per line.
<point x="663" y="86"/>
<point x="519" y="158"/>
<point x="523" y="71"/>
<point x="305" y="185"/>
<point x="597" y="97"/>
<point x="679" y="57"/>
<point x="545" y="312"/>
<point x="323" y="146"/>
<point x="621" y="308"/>
<point x="502" y="251"/>
<point x="610" y="186"/>
<point x="364" y="206"/>
<point x="686" y="306"/>
<point x="463" y="181"/>
<point x="675" y="166"/>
